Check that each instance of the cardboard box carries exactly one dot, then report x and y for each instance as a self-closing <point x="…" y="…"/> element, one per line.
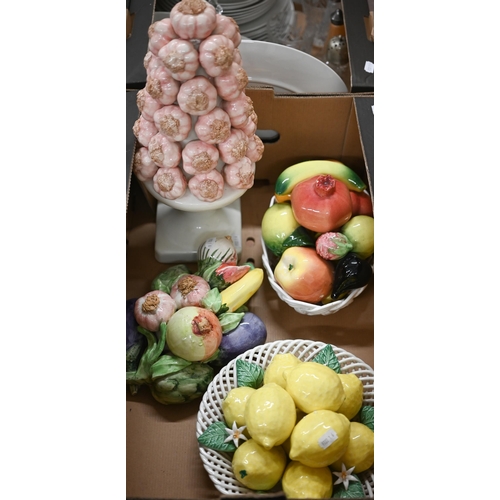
<point x="360" y="45"/>
<point x="364" y="113"/>
<point x="163" y="460"/>
<point x="139" y="19"/>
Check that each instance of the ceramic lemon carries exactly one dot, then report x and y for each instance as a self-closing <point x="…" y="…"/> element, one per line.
<point x="360" y="449"/>
<point x="258" y="468"/>
<point x="233" y="406"/>
<point x="314" y="386"/>
<point x="280" y="364"/>
<point x="270" y="415"/>
<point x="286" y="445"/>
<point x="353" y="390"/>
<point x="302" y="481"/>
<point x="320" y="438"/>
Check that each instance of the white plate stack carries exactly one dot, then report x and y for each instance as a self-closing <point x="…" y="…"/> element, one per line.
<point x="252" y="16"/>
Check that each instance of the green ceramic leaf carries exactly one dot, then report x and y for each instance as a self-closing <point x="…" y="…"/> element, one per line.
<point x="367" y="416"/>
<point x="327" y="357"/>
<point x="249" y="374"/>
<point x="355" y="490"/>
<point x="242" y="309"/>
<point x="212" y="301"/>
<point x="300" y="237"/>
<point x="229" y="321"/>
<point x="215" y="436"/>
<point x="168" y="364"/>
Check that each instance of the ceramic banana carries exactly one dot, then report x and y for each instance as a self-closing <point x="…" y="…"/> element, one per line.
<point x="240" y="291"/>
<point x="294" y="174"/>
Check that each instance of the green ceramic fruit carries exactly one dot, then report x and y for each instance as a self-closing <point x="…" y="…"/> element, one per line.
<point x="360" y="232"/>
<point x="278" y="223"/>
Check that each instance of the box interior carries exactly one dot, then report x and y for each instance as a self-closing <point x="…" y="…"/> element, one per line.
<point x="162" y="451"/>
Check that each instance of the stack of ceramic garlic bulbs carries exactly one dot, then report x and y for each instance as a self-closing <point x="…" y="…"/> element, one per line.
<point x="196" y="128"/>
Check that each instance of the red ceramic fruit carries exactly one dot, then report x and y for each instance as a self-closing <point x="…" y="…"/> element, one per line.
<point x="321" y="203"/>
<point x="361" y="203"/>
<point x="304" y="275"/>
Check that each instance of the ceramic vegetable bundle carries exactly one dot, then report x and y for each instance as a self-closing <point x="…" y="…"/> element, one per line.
<point x="192" y="323"/>
<point x="320" y="231"/>
<point x="196" y="129"/>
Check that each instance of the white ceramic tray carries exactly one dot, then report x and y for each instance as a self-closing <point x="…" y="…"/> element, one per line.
<point x="218" y="464"/>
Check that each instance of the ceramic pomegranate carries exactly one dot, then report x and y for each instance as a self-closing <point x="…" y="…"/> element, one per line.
<point x="321" y="203"/>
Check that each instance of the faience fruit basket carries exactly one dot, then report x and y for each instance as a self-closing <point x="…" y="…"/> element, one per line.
<point x="218" y="464"/>
<point x="300" y="306"/>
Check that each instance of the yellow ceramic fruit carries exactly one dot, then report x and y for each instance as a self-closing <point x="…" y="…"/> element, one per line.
<point x="258" y="468"/>
<point x="301" y="481"/>
<point x="270" y="415"/>
<point x="360" y="232"/>
<point x="314" y="386"/>
<point x="360" y="451"/>
<point x="233" y="406"/>
<point x="286" y="445"/>
<point x="277" y="368"/>
<point x="320" y="438"/>
<point x="353" y="390"/>
<point x="277" y="224"/>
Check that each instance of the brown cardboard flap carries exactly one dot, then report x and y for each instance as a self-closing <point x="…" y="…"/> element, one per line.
<point x="130" y="22"/>
<point x="309" y="127"/>
<point x="369" y="26"/>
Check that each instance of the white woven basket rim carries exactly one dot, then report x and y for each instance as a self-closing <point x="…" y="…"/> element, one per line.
<point x="218" y="464"/>
<point x="298" y="305"/>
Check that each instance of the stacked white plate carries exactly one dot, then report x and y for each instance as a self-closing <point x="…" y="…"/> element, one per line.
<point x="252" y="16"/>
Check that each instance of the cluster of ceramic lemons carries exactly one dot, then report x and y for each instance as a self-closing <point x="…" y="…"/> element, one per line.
<point x="298" y="429"/>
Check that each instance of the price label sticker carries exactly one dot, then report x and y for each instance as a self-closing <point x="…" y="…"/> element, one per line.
<point x="236" y="240"/>
<point x="369" y="67"/>
<point x="210" y="243"/>
<point x="327" y="438"/>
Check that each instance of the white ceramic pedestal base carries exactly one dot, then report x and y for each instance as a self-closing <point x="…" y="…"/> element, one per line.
<point x="179" y="233"/>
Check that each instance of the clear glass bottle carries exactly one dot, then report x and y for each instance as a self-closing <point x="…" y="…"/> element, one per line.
<point x="337" y="27"/>
<point x="337" y="56"/>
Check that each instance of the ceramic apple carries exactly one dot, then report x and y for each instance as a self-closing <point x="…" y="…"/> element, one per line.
<point x="304" y="275"/>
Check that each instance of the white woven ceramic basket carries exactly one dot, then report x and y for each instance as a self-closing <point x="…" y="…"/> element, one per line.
<point x="218" y="464"/>
<point x="298" y="305"/>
